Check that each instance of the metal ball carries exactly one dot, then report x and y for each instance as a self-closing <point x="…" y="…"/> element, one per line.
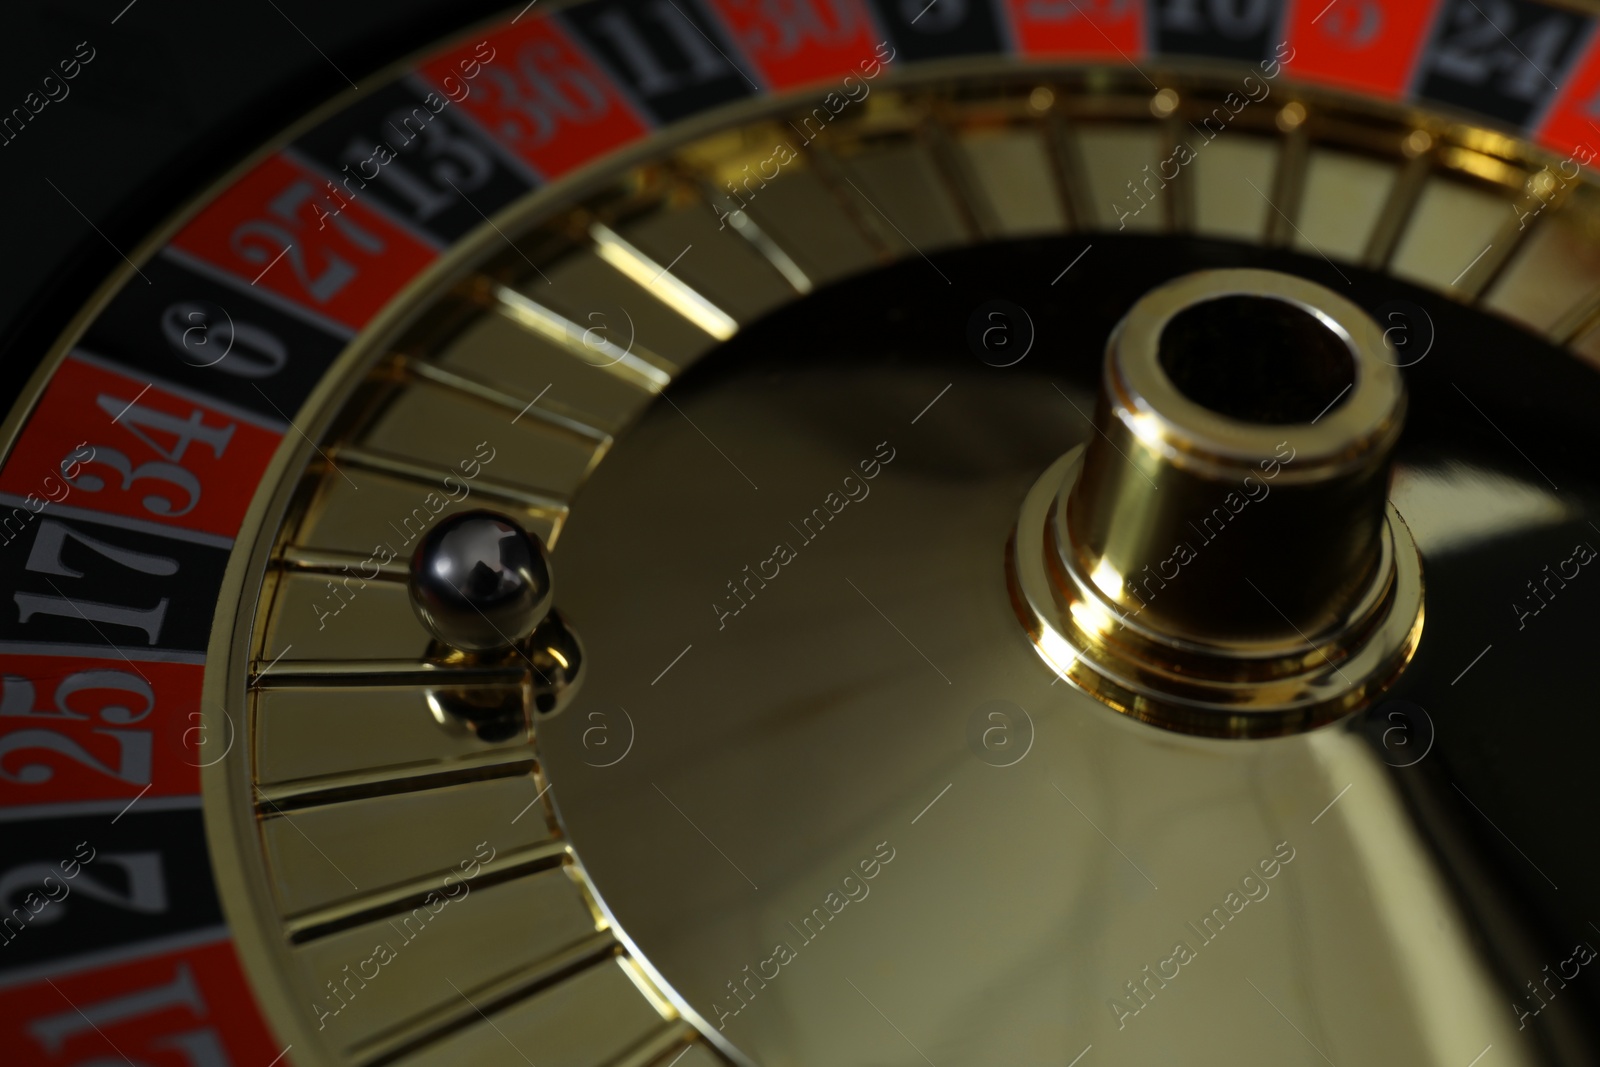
<point x="480" y="582"/>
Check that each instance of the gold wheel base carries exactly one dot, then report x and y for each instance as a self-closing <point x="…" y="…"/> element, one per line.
<point x="1219" y="690"/>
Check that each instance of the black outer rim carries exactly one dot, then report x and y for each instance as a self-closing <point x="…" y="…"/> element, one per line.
<point x="53" y="265"/>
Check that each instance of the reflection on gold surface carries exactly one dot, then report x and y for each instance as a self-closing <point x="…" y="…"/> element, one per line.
<point x="657" y="279"/>
<point x="1454" y="507"/>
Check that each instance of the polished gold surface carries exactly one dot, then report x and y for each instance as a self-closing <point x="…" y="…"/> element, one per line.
<point x="1210" y="646"/>
<point x="1299" y="396"/>
<point x="1022" y="914"/>
<point x="1344" y="198"/>
<point x="1021" y="901"/>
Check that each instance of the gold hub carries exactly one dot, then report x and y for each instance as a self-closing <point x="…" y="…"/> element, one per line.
<point x="1221" y="559"/>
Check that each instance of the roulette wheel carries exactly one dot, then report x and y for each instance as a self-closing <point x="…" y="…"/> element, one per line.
<point x="512" y="568"/>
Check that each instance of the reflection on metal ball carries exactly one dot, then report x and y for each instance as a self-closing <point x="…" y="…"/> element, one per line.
<point x="492" y="713"/>
<point x="480" y="582"/>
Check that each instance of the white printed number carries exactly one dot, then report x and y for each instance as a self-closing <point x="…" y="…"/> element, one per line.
<point x="184" y="492"/>
<point x="1487" y="47"/>
<point x="546" y="93"/>
<point x="133" y="761"/>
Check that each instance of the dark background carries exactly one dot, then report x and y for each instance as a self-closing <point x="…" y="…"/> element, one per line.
<point x="178" y="91"/>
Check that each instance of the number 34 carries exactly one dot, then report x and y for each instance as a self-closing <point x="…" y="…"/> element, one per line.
<point x="136" y="420"/>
